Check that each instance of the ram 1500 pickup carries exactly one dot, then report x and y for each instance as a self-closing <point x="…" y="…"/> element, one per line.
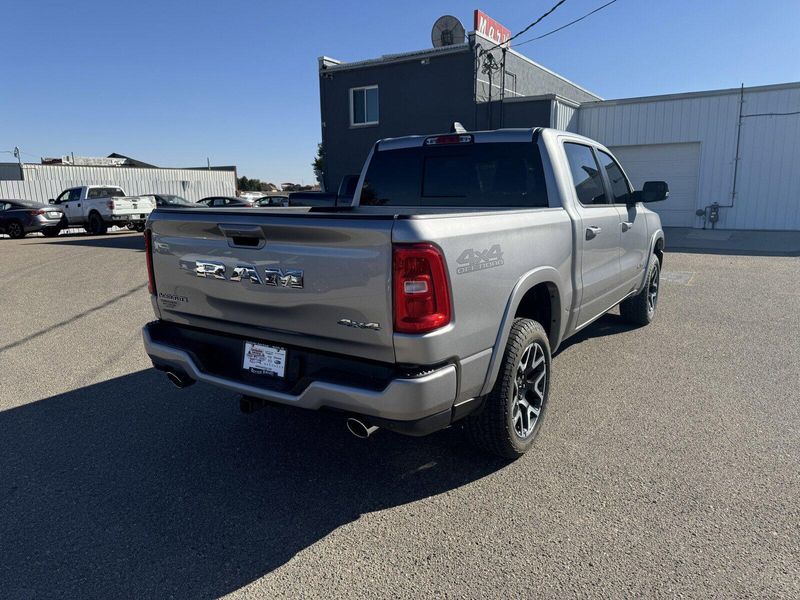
<point x="98" y="207"/>
<point x="438" y="296"/>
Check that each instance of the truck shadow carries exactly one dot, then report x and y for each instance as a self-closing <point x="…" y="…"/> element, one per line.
<point x="130" y="488"/>
<point x="608" y="324"/>
<point x="120" y="241"/>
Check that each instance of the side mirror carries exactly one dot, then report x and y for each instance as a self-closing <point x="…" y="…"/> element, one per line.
<point x="654" y="191"/>
<point x="52" y="201"/>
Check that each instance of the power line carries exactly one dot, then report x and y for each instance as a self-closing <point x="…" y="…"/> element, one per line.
<point x="536" y="22"/>
<point x="589" y="14"/>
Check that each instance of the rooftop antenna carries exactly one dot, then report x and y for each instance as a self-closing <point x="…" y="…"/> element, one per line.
<point x="447" y="31"/>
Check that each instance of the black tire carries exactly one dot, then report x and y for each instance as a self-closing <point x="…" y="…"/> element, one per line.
<point x="15" y="230"/>
<point x="139" y="227"/>
<point x="500" y="428"/>
<point x="641" y="308"/>
<point x="96" y="224"/>
<point x="51" y="231"/>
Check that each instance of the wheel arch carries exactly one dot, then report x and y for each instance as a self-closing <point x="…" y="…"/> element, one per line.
<point x="657" y="248"/>
<point x="538" y="295"/>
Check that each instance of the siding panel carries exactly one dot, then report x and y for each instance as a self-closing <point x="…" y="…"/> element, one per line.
<point x="768" y="177"/>
<point x="46" y="181"/>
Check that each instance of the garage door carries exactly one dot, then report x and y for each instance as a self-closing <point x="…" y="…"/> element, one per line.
<point x="678" y="165"/>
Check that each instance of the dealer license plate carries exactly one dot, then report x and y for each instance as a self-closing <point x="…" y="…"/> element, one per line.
<point x="263" y="359"/>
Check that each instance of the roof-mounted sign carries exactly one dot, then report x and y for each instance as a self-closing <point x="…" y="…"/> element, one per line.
<point x="489" y="28"/>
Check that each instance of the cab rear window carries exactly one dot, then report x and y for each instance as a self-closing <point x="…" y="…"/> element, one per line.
<point x="106" y="192"/>
<point x="499" y="175"/>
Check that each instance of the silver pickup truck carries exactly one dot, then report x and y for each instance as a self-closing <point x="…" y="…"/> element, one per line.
<point x="438" y="296"/>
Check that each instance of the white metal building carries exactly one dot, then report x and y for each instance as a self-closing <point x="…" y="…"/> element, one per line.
<point x="42" y="182"/>
<point x="690" y="141"/>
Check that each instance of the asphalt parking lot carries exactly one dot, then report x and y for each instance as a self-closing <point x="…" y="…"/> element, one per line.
<point x="669" y="464"/>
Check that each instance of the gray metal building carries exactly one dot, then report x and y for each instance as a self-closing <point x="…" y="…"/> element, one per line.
<point x="39" y="182"/>
<point x="690" y="141"/>
<point x="426" y="91"/>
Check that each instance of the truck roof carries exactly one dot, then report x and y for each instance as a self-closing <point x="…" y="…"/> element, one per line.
<point x="479" y="137"/>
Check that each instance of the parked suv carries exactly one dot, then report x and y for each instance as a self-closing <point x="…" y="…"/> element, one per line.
<point x="437" y="297"/>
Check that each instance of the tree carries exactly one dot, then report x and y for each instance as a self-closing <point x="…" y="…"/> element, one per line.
<point x="319" y="165"/>
<point x="254" y="185"/>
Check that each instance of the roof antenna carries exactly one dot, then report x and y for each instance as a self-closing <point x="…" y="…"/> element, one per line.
<point x="457" y="127"/>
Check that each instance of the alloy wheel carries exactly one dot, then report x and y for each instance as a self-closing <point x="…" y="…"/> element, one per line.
<point x="652" y="289"/>
<point x="530" y="384"/>
<point x="15" y="230"/>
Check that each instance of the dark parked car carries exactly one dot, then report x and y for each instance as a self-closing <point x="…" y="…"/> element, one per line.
<point x="172" y="201"/>
<point x="342" y="197"/>
<point x="225" y="202"/>
<point x="272" y="201"/>
<point x="20" y="217"/>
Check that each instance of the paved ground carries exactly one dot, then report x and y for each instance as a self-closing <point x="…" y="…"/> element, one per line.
<point x="669" y="464"/>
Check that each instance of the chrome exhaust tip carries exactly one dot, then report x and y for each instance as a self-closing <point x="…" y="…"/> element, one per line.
<point x="360" y="429"/>
<point x="178" y="380"/>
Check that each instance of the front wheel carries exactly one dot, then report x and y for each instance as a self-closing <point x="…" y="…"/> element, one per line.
<point x="513" y="411"/>
<point x="641" y="308"/>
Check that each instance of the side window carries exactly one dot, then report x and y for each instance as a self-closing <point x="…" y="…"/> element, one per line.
<point x="4" y="206"/>
<point x="364" y="105"/>
<point x="585" y="175"/>
<point x="63" y="196"/>
<point x="620" y="187"/>
<point x="74" y="194"/>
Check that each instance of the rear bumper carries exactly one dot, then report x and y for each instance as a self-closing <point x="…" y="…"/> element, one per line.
<point x="415" y="405"/>
<point x="38" y="223"/>
<point x="132" y="218"/>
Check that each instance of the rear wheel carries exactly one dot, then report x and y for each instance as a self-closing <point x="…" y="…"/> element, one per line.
<point x="641" y="308"/>
<point x="96" y="224"/>
<point x="514" y="409"/>
<point x="51" y="231"/>
<point x="138" y="227"/>
<point x="15" y="230"/>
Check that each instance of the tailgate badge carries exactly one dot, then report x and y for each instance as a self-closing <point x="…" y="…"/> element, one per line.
<point x="359" y="324"/>
<point x="275" y="277"/>
<point x="281" y="278"/>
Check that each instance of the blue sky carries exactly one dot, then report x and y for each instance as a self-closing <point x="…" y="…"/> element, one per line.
<point x="174" y="82"/>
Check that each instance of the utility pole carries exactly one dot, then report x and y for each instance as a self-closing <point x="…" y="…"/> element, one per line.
<point x="489" y="67"/>
<point x="19" y="160"/>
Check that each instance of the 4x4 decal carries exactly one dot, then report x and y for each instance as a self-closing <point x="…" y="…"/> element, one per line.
<point x="477" y="260"/>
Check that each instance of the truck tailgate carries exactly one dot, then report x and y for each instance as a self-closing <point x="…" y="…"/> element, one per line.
<point x="128" y="205"/>
<point x="316" y="279"/>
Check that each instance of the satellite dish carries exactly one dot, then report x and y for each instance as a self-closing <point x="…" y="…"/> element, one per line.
<point x="447" y="31"/>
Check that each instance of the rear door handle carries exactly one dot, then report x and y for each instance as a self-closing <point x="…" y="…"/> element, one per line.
<point x="592" y="231"/>
<point x="626" y="225"/>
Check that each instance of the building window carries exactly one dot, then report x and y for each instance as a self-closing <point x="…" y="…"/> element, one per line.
<point x="364" y="105"/>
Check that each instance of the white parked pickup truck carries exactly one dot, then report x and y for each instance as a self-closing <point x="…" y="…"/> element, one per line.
<point x="98" y="207"/>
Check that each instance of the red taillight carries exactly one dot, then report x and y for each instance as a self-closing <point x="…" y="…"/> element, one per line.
<point x="37" y="212"/>
<point x="148" y="251"/>
<point x="421" y="293"/>
<point x="110" y="204"/>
